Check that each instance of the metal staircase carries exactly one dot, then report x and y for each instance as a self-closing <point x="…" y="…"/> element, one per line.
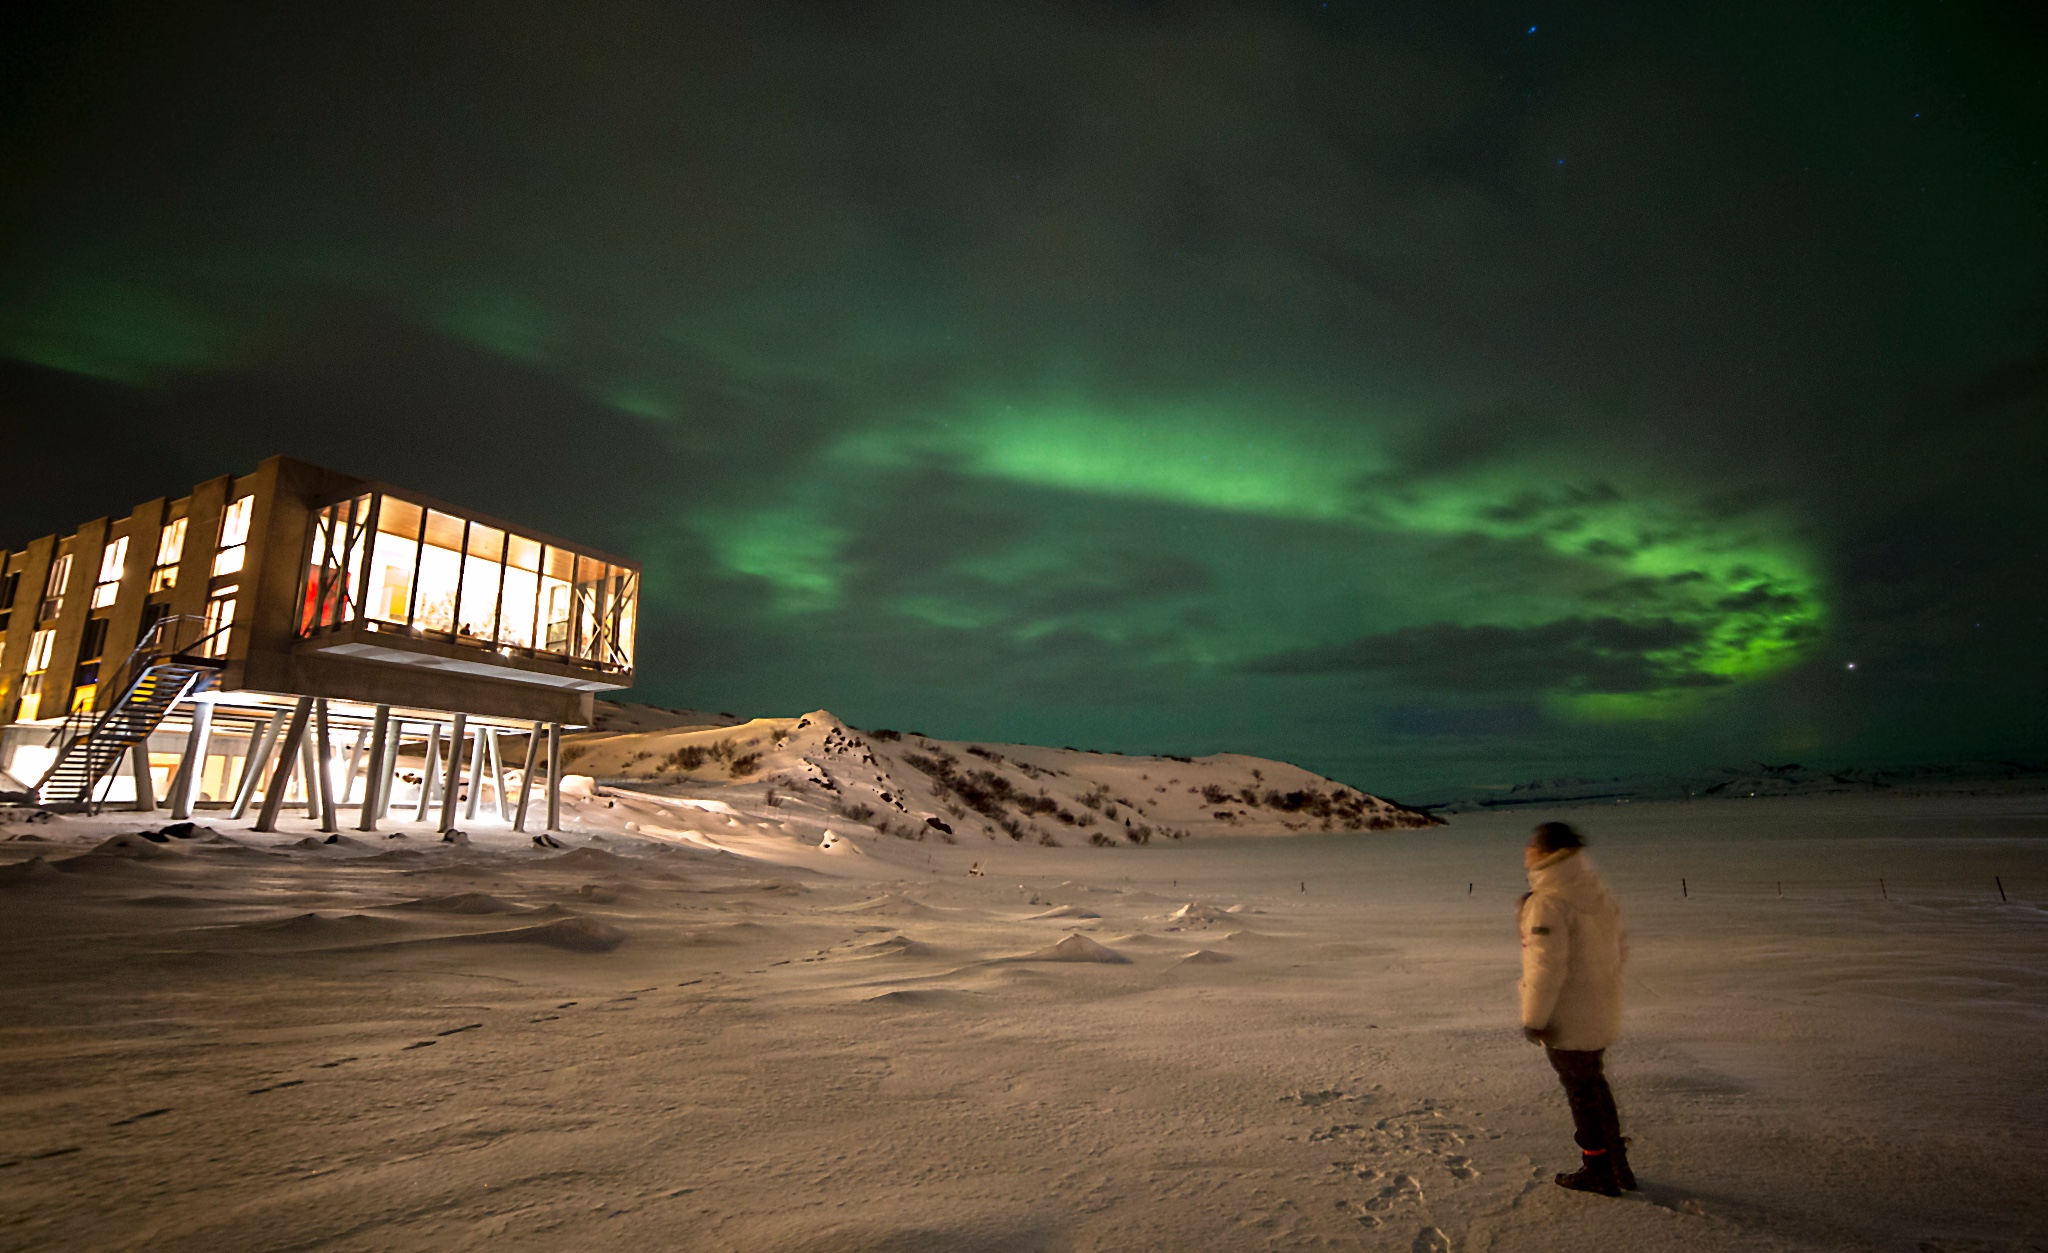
<point x="162" y="671"/>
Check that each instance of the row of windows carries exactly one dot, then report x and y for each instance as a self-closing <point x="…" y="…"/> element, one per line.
<point x="395" y="564"/>
<point x="170" y="550"/>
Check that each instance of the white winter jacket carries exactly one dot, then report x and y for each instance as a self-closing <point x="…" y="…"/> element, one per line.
<point x="1573" y="948"/>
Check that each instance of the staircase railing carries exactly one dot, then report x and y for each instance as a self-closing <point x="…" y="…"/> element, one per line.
<point x="75" y="723"/>
<point x="177" y="638"/>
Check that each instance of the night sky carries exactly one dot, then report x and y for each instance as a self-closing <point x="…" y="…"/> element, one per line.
<point x="1434" y="395"/>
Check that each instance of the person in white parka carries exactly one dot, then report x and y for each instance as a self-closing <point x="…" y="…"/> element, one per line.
<point x="1573" y="948"/>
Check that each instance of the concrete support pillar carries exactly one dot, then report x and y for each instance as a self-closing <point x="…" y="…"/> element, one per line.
<point x="476" y="773"/>
<point x="497" y="774"/>
<point x="145" y="787"/>
<point x="185" y="788"/>
<point x="427" y="775"/>
<point x="261" y="742"/>
<point x="452" y="788"/>
<point x="309" y="769"/>
<point x="526" y="777"/>
<point x="330" y="820"/>
<point x="554" y="777"/>
<point x="378" y="780"/>
<point x="355" y="762"/>
<point x="391" y="756"/>
<point x="287" y="756"/>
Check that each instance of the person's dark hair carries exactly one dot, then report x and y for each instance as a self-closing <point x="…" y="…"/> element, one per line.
<point x="1552" y="836"/>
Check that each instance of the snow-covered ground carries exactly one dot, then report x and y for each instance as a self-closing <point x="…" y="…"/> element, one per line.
<point x="695" y="1028"/>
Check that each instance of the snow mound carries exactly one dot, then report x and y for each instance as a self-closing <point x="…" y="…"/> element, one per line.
<point x="574" y="933"/>
<point x="1065" y="911"/>
<point x="595" y="859"/>
<point x="336" y="843"/>
<point x="1075" y="948"/>
<point x="890" y="905"/>
<point x="933" y="997"/>
<point x="320" y="929"/>
<point x="128" y="848"/>
<point x="34" y="870"/>
<point x="464" y="903"/>
<point x="896" y="946"/>
<point x="837" y="843"/>
<point x="1197" y="911"/>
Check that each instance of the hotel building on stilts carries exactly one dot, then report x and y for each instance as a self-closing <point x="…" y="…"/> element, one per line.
<point x="299" y="639"/>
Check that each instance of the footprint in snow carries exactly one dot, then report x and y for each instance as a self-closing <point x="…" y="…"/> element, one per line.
<point x="1430" y="1240"/>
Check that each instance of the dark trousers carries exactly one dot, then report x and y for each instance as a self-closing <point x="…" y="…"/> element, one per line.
<point x="1596" y="1123"/>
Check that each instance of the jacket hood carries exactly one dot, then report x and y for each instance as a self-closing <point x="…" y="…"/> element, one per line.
<point x="1569" y="875"/>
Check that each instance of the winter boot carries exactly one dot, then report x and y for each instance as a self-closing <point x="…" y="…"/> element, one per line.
<point x="1623" y="1176"/>
<point x="1596" y="1176"/>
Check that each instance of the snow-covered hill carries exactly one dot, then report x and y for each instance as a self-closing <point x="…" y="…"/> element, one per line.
<point x="808" y="773"/>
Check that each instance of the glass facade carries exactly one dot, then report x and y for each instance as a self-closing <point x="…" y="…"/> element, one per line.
<point x="394" y="565"/>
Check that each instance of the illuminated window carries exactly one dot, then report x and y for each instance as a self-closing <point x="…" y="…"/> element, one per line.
<point x="170" y="546"/>
<point x="558" y="570"/>
<point x="31" y="698"/>
<point x="112" y="558"/>
<point x="394" y="558"/>
<point x="482" y="566"/>
<point x="83" y="696"/>
<point x="604" y="599"/>
<point x="53" y="591"/>
<point x="234" y="536"/>
<point x="440" y="573"/>
<point x="519" y="604"/>
<point x="220" y="615"/>
<point x="625" y="608"/>
<point x="335" y="569"/>
<point x="590" y="585"/>
<point x="40" y="646"/>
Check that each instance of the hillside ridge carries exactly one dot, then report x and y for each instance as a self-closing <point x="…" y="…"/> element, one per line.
<point x="815" y="769"/>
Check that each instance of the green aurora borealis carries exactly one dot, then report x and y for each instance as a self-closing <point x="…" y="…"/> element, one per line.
<point x="1427" y="399"/>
